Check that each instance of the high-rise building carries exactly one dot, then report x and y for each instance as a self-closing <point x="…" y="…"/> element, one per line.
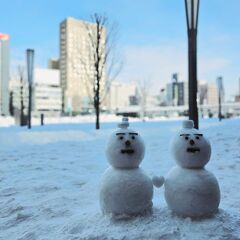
<point x="176" y="92"/>
<point x="4" y="74"/>
<point x="77" y="64"/>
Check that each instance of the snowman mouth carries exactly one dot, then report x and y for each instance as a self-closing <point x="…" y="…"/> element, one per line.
<point x="128" y="151"/>
<point x="193" y="150"/>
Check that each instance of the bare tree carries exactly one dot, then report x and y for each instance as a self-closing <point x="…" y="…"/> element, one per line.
<point x="106" y="65"/>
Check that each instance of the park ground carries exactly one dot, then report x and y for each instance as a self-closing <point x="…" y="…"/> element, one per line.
<point x="50" y="175"/>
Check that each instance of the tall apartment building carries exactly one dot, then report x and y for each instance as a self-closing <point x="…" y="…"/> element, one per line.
<point x="4" y="74"/>
<point x="76" y="64"/>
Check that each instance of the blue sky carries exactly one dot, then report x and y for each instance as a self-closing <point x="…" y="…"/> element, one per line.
<point x="153" y="38"/>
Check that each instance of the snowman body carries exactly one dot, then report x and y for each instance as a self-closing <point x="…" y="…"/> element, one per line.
<point x="191" y="190"/>
<point x="125" y="189"/>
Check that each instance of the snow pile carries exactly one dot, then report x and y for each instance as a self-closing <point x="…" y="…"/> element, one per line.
<point x="6" y="121"/>
<point x="49" y="183"/>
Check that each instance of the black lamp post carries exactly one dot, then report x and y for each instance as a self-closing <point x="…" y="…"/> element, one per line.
<point x="192" y="7"/>
<point x="220" y="93"/>
<point x="30" y="61"/>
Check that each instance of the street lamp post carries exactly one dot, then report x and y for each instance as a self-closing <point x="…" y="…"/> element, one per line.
<point x="220" y="93"/>
<point x="192" y="7"/>
<point x="30" y="61"/>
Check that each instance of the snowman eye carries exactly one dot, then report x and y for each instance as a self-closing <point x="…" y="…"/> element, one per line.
<point x="197" y="137"/>
<point x="186" y="138"/>
<point x="133" y="137"/>
<point x="121" y="138"/>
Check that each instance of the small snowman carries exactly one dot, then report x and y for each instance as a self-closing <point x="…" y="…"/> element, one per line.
<point x="191" y="190"/>
<point x="125" y="189"/>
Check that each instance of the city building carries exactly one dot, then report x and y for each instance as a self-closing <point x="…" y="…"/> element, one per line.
<point x="47" y="92"/>
<point x="162" y="100"/>
<point x="176" y="92"/>
<point x="4" y="74"/>
<point x="237" y="96"/>
<point x="207" y="93"/>
<point x="212" y="94"/>
<point x="202" y="92"/>
<point x="77" y="64"/>
<point x="18" y="94"/>
<point x="121" y="95"/>
<point x="53" y="63"/>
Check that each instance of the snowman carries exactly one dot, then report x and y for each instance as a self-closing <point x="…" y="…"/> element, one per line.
<point x="191" y="190"/>
<point x="125" y="189"/>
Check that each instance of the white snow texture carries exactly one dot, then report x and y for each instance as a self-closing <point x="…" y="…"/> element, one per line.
<point x="50" y="181"/>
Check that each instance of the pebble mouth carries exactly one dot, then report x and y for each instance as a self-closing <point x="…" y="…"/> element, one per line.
<point x="193" y="150"/>
<point x="128" y="151"/>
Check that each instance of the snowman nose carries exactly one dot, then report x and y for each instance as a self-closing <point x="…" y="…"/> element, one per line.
<point x="127" y="143"/>
<point x="191" y="142"/>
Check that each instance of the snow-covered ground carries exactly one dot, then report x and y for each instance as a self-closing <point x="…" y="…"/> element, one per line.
<point x="49" y="183"/>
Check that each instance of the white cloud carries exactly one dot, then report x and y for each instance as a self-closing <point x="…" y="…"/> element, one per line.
<point x="211" y="67"/>
<point x="156" y="63"/>
<point x="159" y="62"/>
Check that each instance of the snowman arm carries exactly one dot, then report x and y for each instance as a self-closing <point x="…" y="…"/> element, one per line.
<point x="158" y="181"/>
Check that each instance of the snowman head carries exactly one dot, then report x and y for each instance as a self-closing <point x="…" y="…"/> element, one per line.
<point x="190" y="148"/>
<point x="125" y="148"/>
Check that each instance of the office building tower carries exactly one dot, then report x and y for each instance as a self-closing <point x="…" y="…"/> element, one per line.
<point x="4" y="74"/>
<point x="176" y="92"/>
<point x="77" y="64"/>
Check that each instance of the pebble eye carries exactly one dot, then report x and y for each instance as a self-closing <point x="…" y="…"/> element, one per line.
<point x="121" y="138"/>
<point x="186" y="138"/>
<point x="133" y="137"/>
<point x="197" y="137"/>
